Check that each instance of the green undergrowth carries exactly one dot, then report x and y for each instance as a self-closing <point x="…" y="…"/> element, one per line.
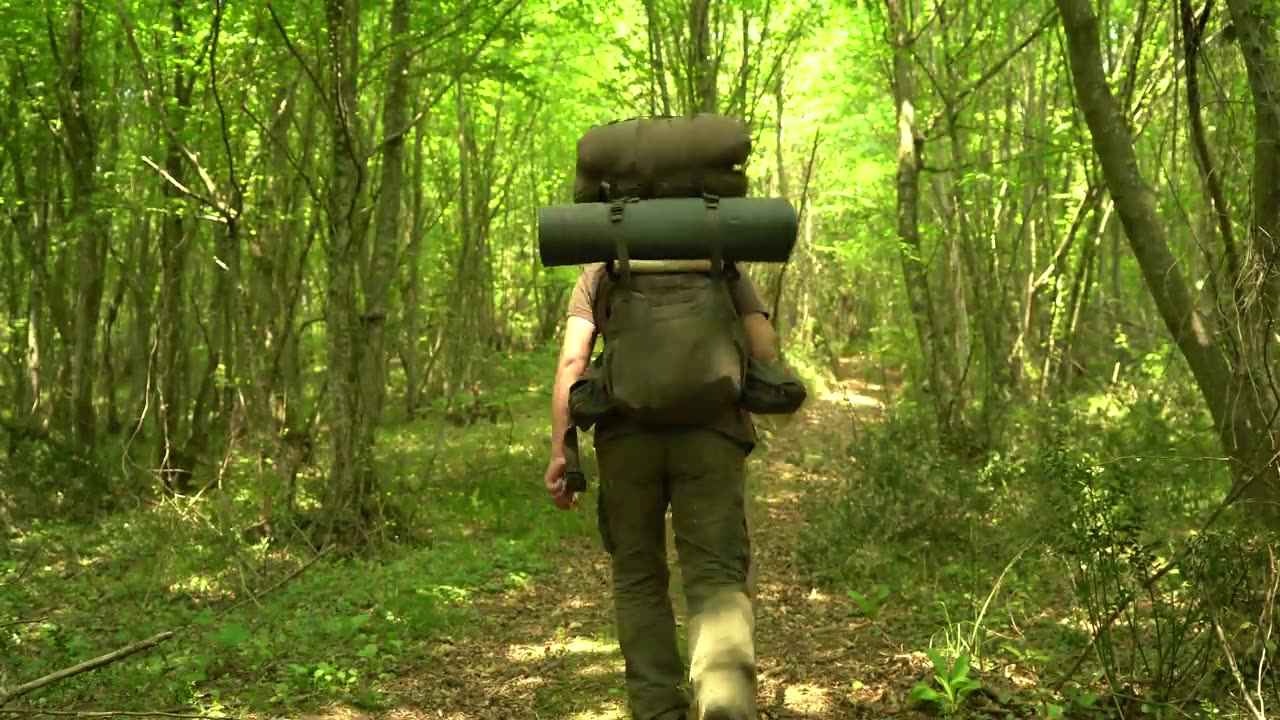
<point x="1000" y="566"/>
<point x="267" y="626"/>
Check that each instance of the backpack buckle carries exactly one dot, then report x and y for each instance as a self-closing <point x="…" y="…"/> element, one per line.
<point x="622" y="262"/>
<point x="617" y="206"/>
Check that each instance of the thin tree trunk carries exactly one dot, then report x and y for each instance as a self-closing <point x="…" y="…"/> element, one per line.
<point x="461" y="305"/>
<point x="410" y="344"/>
<point x="91" y="227"/>
<point x="654" y="30"/>
<point x="1192" y="33"/>
<point x="34" y="249"/>
<point x="173" y="343"/>
<point x="702" y="74"/>
<point x="1255" y="22"/>
<point x="377" y="284"/>
<point x="59" y="286"/>
<point x="908" y="184"/>
<point x="141" y="291"/>
<point x="351" y="473"/>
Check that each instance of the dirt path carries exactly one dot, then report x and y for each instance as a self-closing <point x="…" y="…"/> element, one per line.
<point x="549" y="650"/>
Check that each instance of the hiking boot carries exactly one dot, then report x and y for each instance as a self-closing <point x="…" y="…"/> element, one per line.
<point x="726" y="696"/>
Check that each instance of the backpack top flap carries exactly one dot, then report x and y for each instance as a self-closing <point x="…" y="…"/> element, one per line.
<point x="663" y="144"/>
<point x="663" y="157"/>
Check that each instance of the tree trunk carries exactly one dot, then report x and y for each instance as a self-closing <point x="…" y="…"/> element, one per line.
<point x="914" y="272"/>
<point x="1192" y="34"/>
<point x="173" y="344"/>
<point x="34" y="248"/>
<point x="90" y="226"/>
<point x="1255" y="23"/>
<point x="654" y="31"/>
<point x="351" y="472"/>
<point x="1240" y="419"/>
<point x="702" y="73"/>
<point x="377" y="284"/>
<point x="412" y="292"/>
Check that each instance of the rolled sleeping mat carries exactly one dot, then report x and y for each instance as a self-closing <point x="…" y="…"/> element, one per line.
<point x="588" y="187"/>
<point x="748" y="229"/>
<point x="648" y="147"/>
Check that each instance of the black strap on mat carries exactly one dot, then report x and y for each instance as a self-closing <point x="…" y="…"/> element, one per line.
<point x="714" y="234"/>
<point x="622" y="258"/>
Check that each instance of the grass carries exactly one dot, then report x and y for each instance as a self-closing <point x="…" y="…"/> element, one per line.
<point x="343" y="629"/>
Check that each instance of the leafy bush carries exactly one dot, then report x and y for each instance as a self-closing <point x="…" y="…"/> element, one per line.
<point x="1108" y="487"/>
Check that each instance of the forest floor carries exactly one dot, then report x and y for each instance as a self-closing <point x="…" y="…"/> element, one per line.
<point x="492" y="605"/>
<point x="880" y="558"/>
<point x="551" y="651"/>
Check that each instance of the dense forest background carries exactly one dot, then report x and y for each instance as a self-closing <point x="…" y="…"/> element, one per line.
<point x="277" y="348"/>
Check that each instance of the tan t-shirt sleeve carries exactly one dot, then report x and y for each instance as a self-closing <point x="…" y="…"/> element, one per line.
<point x="582" y="299"/>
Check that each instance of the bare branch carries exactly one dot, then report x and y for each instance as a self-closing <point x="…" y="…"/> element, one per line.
<point x="180" y="187"/>
<point x="1048" y="19"/>
<point x="85" y="666"/>
<point x="1235" y="494"/>
<point x="284" y="149"/>
<point x="21" y="622"/>
<point x="105" y="713"/>
<point x="953" y="105"/>
<point x="26" y="567"/>
<point x="237" y="192"/>
<point x="210" y="187"/>
<point x="284" y="581"/>
<point x="435" y="98"/>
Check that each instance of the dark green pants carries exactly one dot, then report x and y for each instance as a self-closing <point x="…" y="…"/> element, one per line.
<point x="700" y="474"/>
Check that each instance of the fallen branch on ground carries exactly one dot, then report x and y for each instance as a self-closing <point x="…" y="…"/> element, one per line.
<point x="108" y="713"/>
<point x="124" y="652"/>
<point x="13" y="623"/>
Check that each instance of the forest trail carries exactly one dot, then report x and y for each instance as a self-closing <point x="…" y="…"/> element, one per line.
<point x="549" y="650"/>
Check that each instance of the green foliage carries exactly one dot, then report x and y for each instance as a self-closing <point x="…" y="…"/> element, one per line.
<point x="1152" y="617"/>
<point x="953" y="681"/>
<point x="1101" y="491"/>
<point x="870" y="605"/>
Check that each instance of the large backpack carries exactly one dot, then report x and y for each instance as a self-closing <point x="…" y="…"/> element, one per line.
<point x="674" y="349"/>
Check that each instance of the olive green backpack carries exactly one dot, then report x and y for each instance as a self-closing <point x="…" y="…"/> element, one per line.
<point x="674" y="349"/>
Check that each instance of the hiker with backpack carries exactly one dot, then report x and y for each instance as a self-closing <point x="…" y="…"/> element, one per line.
<point x="688" y="351"/>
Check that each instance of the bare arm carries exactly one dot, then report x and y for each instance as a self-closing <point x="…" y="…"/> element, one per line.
<point x="761" y="339"/>
<point x="575" y="353"/>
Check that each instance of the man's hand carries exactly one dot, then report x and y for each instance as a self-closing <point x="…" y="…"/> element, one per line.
<point x="554" y="479"/>
<point x="579" y="339"/>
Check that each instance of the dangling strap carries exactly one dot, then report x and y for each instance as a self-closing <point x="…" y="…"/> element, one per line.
<point x="714" y="234"/>
<point x="622" y="261"/>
